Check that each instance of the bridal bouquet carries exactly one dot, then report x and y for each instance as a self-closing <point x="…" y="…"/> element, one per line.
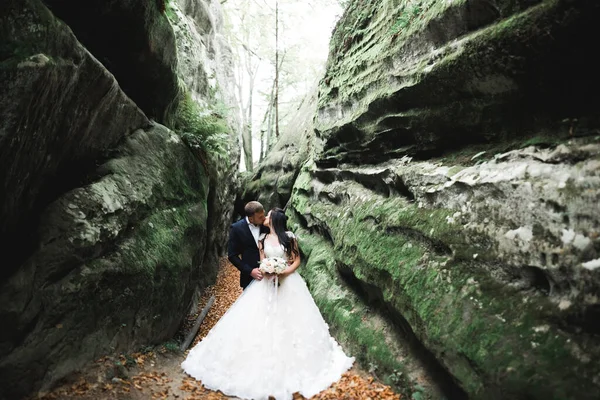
<point x="273" y="265"/>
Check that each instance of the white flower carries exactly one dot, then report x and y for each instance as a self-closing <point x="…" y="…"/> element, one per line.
<point x="273" y="265"/>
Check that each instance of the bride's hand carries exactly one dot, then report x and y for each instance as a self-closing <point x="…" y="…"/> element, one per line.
<point x="285" y="273"/>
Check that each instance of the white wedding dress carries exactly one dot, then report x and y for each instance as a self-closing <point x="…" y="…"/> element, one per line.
<point x="273" y="341"/>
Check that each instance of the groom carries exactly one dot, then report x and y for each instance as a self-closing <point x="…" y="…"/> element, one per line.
<point x="243" y="240"/>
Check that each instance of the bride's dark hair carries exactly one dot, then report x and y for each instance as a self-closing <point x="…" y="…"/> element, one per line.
<point x="278" y="222"/>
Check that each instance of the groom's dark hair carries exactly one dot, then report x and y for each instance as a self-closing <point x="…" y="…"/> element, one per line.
<point x="252" y="208"/>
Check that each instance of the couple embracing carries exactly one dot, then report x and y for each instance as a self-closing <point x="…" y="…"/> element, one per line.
<point x="273" y="341"/>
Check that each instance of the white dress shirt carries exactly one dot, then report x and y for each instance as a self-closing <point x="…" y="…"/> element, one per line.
<point x="254" y="229"/>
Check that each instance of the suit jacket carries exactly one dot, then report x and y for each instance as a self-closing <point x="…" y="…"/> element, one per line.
<point x="241" y="243"/>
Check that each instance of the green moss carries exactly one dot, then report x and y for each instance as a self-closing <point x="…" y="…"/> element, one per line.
<point x="367" y="35"/>
<point x="464" y="157"/>
<point x="484" y="332"/>
<point x="160" y="239"/>
<point x="170" y="12"/>
<point x="409" y="15"/>
<point x="171" y="346"/>
<point x="356" y="76"/>
<point x="348" y="318"/>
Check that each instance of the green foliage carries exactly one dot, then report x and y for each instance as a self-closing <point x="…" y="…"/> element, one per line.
<point x="205" y="131"/>
<point x="418" y="392"/>
<point x="463" y="157"/>
<point x="171" y="346"/>
<point x="401" y="23"/>
<point x="415" y="10"/>
<point x="146" y="349"/>
<point x="543" y="141"/>
<point x="406" y="16"/>
<point x="129" y="361"/>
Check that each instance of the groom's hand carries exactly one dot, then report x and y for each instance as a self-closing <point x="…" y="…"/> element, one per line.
<point x="256" y="274"/>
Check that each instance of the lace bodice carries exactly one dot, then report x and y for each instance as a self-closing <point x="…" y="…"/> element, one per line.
<point x="274" y="250"/>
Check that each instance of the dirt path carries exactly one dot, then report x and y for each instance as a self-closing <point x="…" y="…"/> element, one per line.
<point x="156" y="372"/>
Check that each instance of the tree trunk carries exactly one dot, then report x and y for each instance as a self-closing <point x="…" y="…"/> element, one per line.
<point x="246" y="136"/>
<point x="269" y="122"/>
<point x="252" y="73"/>
<point x="262" y="143"/>
<point x="276" y="69"/>
<point x="245" y="62"/>
<point x="269" y="139"/>
<point x="270" y="136"/>
<point x="263" y="128"/>
<point x="247" y="143"/>
<point x="196" y="327"/>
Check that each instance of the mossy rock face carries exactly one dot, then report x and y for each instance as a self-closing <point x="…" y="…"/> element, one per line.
<point x="418" y="77"/>
<point x="105" y="213"/>
<point x="118" y="262"/>
<point x="134" y="41"/>
<point x="207" y="95"/>
<point x="272" y="182"/>
<point x="60" y="110"/>
<point x="204" y="56"/>
<point x="484" y="262"/>
<point x="360" y="324"/>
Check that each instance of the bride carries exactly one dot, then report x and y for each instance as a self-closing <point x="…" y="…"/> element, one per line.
<point x="273" y="340"/>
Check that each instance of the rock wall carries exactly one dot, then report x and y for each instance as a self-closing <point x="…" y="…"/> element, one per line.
<point x="453" y="190"/>
<point x="110" y="221"/>
<point x="493" y="266"/>
<point x="134" y="41"/>
<point x="60" y="110"/>
<point x="117" y="263"/>
<point x="203" y="52"/>
<point x="423" y="76"/>
<point x="205" y="67"/>
<point x="274" y="178"/>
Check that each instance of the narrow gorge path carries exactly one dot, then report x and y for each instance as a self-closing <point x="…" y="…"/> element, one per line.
<point x="155" y="372"/>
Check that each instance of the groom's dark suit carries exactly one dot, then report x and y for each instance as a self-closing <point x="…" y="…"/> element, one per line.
<point x="241" y="242"/>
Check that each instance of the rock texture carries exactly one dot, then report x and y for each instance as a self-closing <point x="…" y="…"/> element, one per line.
<point x="205" y="63"/>
<point x="493" y="266"/>
<point x="423" y="76"/>
<point x="60" y="110"/>
<point x="105" y="215"/>
<point x="453" y="190"/>
<point x="274" y="178"/>
<point x="203" y="53"/>
<point x="134" y="41"/>
<point x="116" y="264"/>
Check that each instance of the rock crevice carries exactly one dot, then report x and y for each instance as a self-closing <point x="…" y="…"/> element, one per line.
<point x="105" y="213"/>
